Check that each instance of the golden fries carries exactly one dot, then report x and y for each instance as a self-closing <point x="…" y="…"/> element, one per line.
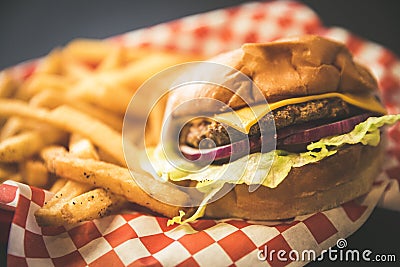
<point x="99" y="133"/>
<point x="70" y="120"/>
<point x="135" y="73"/>
<point x="50" y="213"/>
<point x="20" y="108"/>
<point x="113" y="60"/>
<point x="76" y="70"/>
<point x="34" y="173"/>
<point x="7" y="84"/>
<point x="58" y="184"/>
<point x="52" y="64"/>
<point x="112" y="177"/>
<point x="103" y="92"/>
<point x="80" y="93"/>
<point x="91" y="205"/>
<point x="24" y="145"/>
<point x="40" y="82"/>
<point x="86" y="50"/>
<point x="51" y="99"/>
<point x="82" y="147"/>
<point x="12" y="127"/>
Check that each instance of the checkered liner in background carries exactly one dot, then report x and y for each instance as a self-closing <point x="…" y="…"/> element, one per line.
<point x="138" y="239"/>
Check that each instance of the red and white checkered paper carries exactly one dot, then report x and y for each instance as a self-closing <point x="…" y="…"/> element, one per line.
<point x="137" y="239"/>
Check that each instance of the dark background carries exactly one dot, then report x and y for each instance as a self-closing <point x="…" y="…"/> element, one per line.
<point x="30" y="29"/>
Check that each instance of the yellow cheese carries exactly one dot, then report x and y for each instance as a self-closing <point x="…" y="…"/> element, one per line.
<point x="244" y="118"/>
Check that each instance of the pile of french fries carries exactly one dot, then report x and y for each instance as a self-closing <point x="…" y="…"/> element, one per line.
<point x="60" y="129"/>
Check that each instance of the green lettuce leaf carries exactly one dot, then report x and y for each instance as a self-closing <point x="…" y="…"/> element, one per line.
<point x="268" y="169"/>
<point x="212" y="190"/>
<point x="366" y="132"/>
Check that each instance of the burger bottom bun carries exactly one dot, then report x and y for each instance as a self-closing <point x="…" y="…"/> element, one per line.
<point x="315" y="187"/>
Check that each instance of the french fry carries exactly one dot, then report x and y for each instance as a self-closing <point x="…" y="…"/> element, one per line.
<point x="82" y="148"/>
<point x="99" y="133"/>
<point x="19" y="147"/>
<point x="91" y="205"/>
<point x="51" y="99"/>
<point x="113" y="120"/>
<point x="8" y="85"/>
<point x="132" y="54"/>
<point x="75" y="69"/>
<point x="84" y="90"/>
<point x="137" y="72"/>
<point x="14" y="107"/>
<point x="44" y="81"/>
<point x="104" y="156"/>
<point x="50" y="213"/>
<point x="12" y="127"/>
<point x="78" y="207"/>
<point x="34" y="173"/>
<point x="70" y="120"/>
<point x="16" y="125"/>
<point x="154" y="123"/>
<point x="114" y="178"/>
<point x="26" y="144"/>
<point x="58" y="184"/>
<point x="113" y="89"/>
<point x="99" y="90"/>
<point x="113" y="60"/>
<point x="47" y="99"/>
<point x="51" y="64"/>
<point x="88" y="50"/>
<point x="70" y="205"/>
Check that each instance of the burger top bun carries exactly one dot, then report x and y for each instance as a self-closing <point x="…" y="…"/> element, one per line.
<point x="282" y="69"/>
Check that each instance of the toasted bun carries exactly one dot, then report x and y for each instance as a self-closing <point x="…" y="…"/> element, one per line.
<point x="314" y="187"/>
<point x="283" y="69"/>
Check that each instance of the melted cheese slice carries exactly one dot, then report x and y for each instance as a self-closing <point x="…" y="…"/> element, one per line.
<point x="244" y="118"/>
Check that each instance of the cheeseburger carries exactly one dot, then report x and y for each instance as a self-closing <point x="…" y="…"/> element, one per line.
<point x="326" y="117"/>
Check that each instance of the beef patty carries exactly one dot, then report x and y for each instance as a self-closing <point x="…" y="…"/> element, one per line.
<point x="324" y="110"/>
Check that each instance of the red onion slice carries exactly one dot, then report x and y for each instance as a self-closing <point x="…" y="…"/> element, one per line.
<point x="234" y="151"/>
<point x="305" y="135"/>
